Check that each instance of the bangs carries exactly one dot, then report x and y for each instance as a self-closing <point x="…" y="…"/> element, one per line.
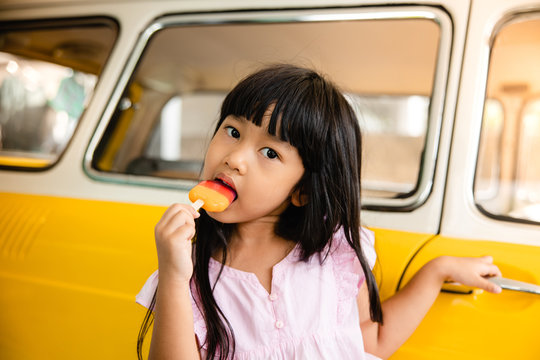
<point x="291" y="96"/>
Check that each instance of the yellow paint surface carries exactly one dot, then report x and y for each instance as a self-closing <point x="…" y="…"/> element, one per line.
<point x="69" y="272"/>
<point x="479" y="325"/>
<point x="394" y="250"/>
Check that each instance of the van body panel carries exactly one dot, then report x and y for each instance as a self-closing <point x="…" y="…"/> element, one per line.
<point x="75" y="288"/>
<point x="70" y="272"/>
<point x="394" y="251"/>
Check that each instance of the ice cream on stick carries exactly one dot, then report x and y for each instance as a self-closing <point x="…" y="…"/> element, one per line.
<point x="211" y="195"/>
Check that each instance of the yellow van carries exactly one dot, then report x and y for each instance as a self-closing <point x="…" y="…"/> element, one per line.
<point x="106" y="109"/>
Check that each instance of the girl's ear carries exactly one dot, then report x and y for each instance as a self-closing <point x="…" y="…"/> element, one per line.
<point x="298" y="199"/>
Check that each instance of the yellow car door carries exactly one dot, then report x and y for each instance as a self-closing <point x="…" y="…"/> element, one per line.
<point x="466" y="323"/>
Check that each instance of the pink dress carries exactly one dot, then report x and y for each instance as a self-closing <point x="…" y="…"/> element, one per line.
<point x="311" y="312"/>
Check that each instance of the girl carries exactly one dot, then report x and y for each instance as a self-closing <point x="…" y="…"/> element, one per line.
<point x="285" y="271"/>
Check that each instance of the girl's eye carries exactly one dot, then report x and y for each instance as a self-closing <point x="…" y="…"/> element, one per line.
<point x="269" y="153"/>
<point x="231" y="131"/>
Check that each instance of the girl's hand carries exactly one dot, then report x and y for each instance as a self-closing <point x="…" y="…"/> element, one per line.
<point x="173" y="233"/>
<point x="470" y="271"/>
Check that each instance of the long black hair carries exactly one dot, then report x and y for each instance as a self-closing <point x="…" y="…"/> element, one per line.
<point x="312" y="115"/>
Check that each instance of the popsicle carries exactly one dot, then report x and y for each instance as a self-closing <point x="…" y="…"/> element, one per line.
<point x="211" y="195"/>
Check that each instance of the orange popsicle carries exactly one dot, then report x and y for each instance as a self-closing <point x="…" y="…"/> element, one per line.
<point x="212" y="195"/>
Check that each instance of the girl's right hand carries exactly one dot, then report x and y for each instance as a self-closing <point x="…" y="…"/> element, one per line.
<point x="173" y="233"/>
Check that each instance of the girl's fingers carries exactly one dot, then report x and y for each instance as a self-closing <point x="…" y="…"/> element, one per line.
<point x="184" y="232"/>
<point x="488" y="271"/>
<point x="490" y="268"/>
<point x="173" y="234"/>
<point x="489" y="286"/>
<point x="495" y="271"/>
<point x="183" y="216"/>
<point x="174" y="209"/>
<point x="193" y="212"/>
<point x="171" y="210"/>
<point x="487" y="259"/>
<point x="176" y="216"/>
<point x="475" y="272"/>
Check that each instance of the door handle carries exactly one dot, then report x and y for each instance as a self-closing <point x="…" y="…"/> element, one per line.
<point x="515" y="285"/>
<point x="504" y="283"/>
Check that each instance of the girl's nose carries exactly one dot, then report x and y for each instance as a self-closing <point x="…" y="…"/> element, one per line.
<point x="237" y="160"/>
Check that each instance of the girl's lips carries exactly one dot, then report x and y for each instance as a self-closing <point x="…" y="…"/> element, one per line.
<point x="228" y="182"/>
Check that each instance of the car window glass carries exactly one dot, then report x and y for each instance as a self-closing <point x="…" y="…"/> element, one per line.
<point x="507" y="182"/>
<point x="165" y="118"/>
<point x="48" y="72"/>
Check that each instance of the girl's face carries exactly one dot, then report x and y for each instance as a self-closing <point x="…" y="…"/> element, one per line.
<point x="260" y="167"/>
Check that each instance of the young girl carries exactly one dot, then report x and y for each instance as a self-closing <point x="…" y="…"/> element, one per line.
<point x="285" y="271"/>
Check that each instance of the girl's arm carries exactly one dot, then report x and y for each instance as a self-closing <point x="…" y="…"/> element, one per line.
<point x="173" y="335"/>
<point x="403" y="312"/>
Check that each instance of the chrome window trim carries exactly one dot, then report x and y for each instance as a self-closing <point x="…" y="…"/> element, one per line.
<point x="435" y="115"/>
<point x="525" y="14"/>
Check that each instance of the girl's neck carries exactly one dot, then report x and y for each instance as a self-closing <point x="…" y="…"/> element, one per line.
<point x="254" y="240"/>
<point x="256" y="233"/>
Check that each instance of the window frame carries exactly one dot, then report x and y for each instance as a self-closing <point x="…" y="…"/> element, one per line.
<point x="436" y="108"/>
<point x="509" y="19"/>
<point x="38" y="163"/>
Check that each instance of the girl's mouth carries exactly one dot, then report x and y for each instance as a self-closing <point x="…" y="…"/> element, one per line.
<point x="227" y="185"/>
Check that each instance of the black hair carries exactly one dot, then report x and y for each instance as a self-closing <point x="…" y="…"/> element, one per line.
<point x="312" y="115"/>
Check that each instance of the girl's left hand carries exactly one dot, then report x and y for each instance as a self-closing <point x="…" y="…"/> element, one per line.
<point x="470" y="271"/>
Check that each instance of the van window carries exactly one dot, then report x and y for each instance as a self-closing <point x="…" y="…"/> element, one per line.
<point x="165" y="117"/>
<point x="176" y="139"/>
<point x="48" y="71"/>
<point x="507" y="182"/>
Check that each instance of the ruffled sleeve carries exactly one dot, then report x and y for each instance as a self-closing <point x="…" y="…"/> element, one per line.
<point x="345" y="259"/>
<point x="347" y="269"/>
<point x="144" y="297"/>
<point x="368" y="246"/>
